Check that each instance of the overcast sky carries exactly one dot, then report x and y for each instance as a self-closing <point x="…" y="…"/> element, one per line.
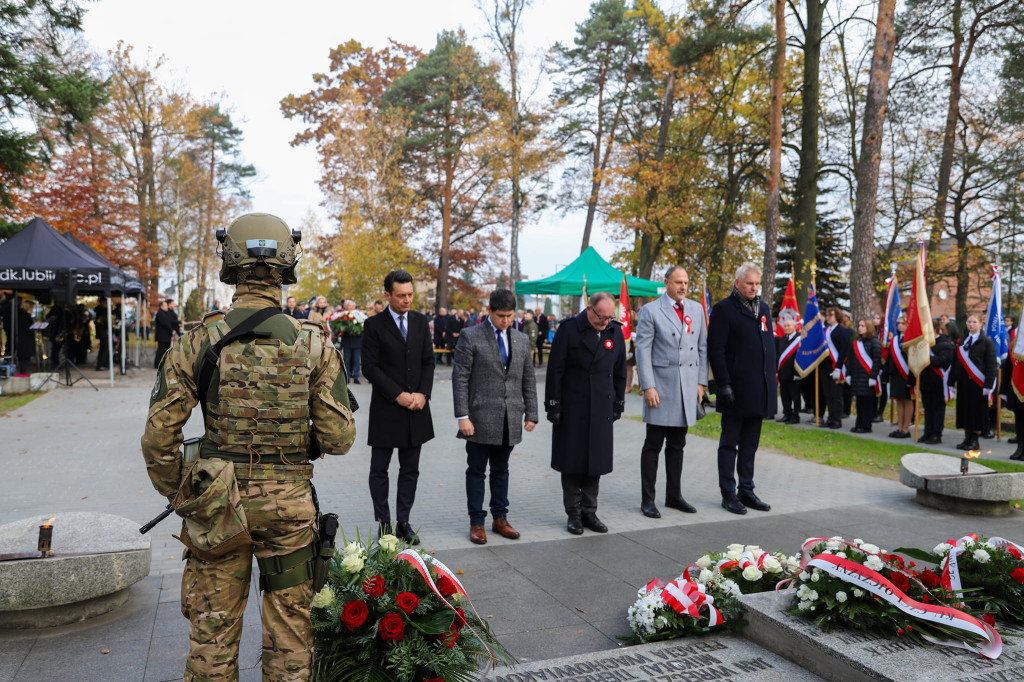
<point x="255" y="52"/>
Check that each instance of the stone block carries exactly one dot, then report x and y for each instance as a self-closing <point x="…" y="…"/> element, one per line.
<point x="939" y="484"/>
<point x="858" y="655"/>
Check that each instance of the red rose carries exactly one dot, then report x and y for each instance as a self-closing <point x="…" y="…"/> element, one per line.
<point x="1018" y="575"/>
<point x="1014" y="552"/>
<point x="460" y="619"/>
<point x="374" y="587"/>
<point x="930" y="580"/>
<point x="446" y="586"/>
<point x="392" y="628"/>
<point x="990" y="619"/>
<point x="354" y="614"/>
<point x="448" y="639"/>
<point x="407" y="601"/>
<point x="900" y="580"/>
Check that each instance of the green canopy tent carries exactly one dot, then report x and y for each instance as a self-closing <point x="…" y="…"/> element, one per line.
<point x="600" y="276"/>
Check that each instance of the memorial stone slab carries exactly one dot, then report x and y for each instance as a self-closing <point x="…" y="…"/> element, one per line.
<point x="940" y="484"/>
<point x="690" y="659"/>
<point x="856" y="655"/>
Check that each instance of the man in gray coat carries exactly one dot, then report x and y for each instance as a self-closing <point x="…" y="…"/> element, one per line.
<point x="672" y="364"/>
<point x="495" y="392"/>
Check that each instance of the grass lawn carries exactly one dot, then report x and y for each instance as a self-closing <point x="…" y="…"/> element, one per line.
<point x="826" y="446"/>
<point x="8" y="403"/>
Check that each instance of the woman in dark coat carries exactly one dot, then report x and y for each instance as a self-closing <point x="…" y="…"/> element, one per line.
<point x="863" y="363"/>
<point x="584" y="395"/>
<point x="901" y="382"/>
<point x="1013" y="401"/>
<point x="974" y="371"/>
<point x="933" y="390"/>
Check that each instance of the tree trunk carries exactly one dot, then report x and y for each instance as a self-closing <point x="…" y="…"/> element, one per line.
<point x="862" y="269"/>
<point x="649" y="246"/>
<point x="807" y="179"/>
<point x="446" y="234"/>
<point x="771" y="223"/>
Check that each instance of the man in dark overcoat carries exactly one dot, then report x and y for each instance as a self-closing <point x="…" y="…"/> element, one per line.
<point x="934" y="379"/>
<point x="453" y="327"/>
<point x="583" y="395"/>
<point x="398" y="361"/>
<point x="164" y="331"/>
<point x="741" y="349"/>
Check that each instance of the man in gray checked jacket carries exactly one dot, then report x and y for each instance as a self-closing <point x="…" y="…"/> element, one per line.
<point x="495" y="398"/>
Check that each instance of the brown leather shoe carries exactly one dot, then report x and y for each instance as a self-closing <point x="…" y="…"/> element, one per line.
<point x="477" y="535"/>
<point x="503" y="528"/>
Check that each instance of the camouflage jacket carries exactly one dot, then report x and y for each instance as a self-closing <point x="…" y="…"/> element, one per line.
<point x="175" y="393"/>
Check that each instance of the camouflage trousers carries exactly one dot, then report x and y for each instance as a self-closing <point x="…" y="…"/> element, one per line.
<point x="281" y="520"/>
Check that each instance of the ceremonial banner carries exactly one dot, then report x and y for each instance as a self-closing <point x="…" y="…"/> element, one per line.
<point x="584" y="296"/>
<point x="789" y="310"/>
<point x="892" y="315"/>
<point x="995" y="327"/>
<point x="813" y="348"/>
<point x="920" y="336"/>
<point x="705" y="303"/>
<point x="627" y="329"/>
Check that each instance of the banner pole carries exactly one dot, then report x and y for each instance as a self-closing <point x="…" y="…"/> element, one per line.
<point x="817" y="410"/>
<point x="999" y="404"/>
<point x="917" y="411"/>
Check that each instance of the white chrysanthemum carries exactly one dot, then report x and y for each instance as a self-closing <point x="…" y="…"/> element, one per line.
<point x="705" y="575"/>
<point x="734" y="547"/>
<point x="981" y="556"/>
<point x="803" y="591"/>
<point x="812" y="595"/>
<point x="841" y="555"/>
<point x="732" y="587"/>
<point x="353" y="563"/>
<point x="388" y="543"/>
<point x="833" y="545"/>
<point x="704" y="561"/>
<point x="858" y="593"/>
<point x="868" y="548"/>
<point x="804" y="605"/>
<point x="816" y="576"/>
<point x="804" y="575"/>
<point x="840" y="596"/>
<point x="874" y="563"/>
<point x="772" y="565"/>
<point x="942" y="548"/>
<point x="324" y="597"/>
<point x="826" y="551"/>
<point x="858" y="541"/>
<point x="752" y="573"/>
<point x="641" y="615"/>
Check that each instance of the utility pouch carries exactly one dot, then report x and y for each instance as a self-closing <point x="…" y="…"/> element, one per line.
<point x="190" y="449"/>
<point x="209" y="502"/>
<point x="325" y="549"/>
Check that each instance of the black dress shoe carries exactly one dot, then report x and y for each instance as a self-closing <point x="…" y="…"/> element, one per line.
<point x="681" y="504"/>
<point x="649" y="510"/>
<point x="384" y="528"/>
<point x="356" y="380"/>
<point x="591" y="522"/>
<point x="878" y="419"/>
<point x="1012" y="441"/>
<point x="405" y="532"/>
<point x="810" y="421"/>
<point x="1019" y="455"/>
<point x="733" y="504"/>
<point x="859" y="429"/>
<point x="793" y="420"/>
<point x="574" y="526"/>
<point x="835" y="425"/>
<point x="965" y="444"/>
<point x="988" y="434"/>
<point x="754" y="502"/>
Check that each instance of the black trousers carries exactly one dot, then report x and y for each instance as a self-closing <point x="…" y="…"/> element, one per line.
<point x="866" y="405"/>
<point x="934" y="412"/>
<point x="834" y="399"/>
<point x="676" y="441"/>
<point x="789" y="389"/>
<point x="579" y="494"/>
<point x="882" y="399"/>
<point x="161" y="348"/>
<point x="408" y="474"/>
<point x="736" y="448"/>
<point x="807" y="391"/>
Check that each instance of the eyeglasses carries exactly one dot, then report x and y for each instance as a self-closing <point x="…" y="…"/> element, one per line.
<point x="602" y="318"/>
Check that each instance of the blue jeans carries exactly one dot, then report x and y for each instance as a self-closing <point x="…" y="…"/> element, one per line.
<point x="353" y="357"/>
<point x="478" y="456"/>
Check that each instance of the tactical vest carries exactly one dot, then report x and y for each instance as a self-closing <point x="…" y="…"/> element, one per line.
<point x="263" y="395"/>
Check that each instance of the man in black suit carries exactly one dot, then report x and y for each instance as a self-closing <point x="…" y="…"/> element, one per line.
<point x="839" y="338"/>
<point x="164" y="332"/>
<point x="452" y="329"/>
<point x="543" y="328"/>
<point x="741" y="350"/>
<point x="398" y="361"/>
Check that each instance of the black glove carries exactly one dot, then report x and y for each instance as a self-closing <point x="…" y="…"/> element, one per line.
<point x="555" y="418"/>
<point x="726" y="398"/>
<point x="616" y="416"/>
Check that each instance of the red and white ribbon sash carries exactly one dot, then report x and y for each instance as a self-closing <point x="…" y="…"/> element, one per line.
<point x="688" y="596"/>
<point x="790" y="351"/>
<point x="832" y="350"/>
<point x="871" y="581"/>
<point x="950" y="569"/>
<point x="747" y="558"/>
<point x="898" y="359"/>
<point x="947" y="392"/>
<point x="977" y="376"/>
<point x="861" y="353"/>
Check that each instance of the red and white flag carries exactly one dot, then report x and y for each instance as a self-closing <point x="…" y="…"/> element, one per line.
<point x="627" y="330"/>
<point x="920" y="336"/>
<point x="789" y="310"/>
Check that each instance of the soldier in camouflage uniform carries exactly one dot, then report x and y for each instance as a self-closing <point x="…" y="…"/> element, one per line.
<point x="271" y="392"/>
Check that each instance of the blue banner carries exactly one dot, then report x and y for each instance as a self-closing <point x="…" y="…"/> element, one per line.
<point x="813" y="348"/>
<point x="995" y="327"/>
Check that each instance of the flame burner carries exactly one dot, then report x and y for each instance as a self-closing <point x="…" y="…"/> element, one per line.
<point x="45" y="545"/>
<point x="966" y="459"/>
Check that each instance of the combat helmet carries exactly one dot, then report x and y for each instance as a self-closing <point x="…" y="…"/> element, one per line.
<point x="259" y="243"/>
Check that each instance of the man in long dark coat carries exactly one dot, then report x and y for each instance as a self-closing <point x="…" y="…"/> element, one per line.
<point x="398" y="361"/>
<point x="583" y="396"/>
<point x="741" y="349"/>
<point x="975" y="370"/>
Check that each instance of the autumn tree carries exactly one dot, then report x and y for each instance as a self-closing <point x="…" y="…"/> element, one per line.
<point x="450" y="150"/>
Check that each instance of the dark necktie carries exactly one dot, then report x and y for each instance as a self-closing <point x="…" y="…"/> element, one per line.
<point x="679" y="310"/>
<point x="401" y="327"/>
<point x="968" y="343"/>
<point x="501" y="347"/>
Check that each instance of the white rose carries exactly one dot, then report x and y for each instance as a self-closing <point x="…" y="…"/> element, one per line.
<point x="754" y="549"/>
<point x="353" y="563"/>
<point x="388" y="543"/>
<point x="772" y="565"/>
<point x="840" y="597"/>
<point x="833" y="545"/>
<point x="858" y="593"/>
<point x="733" y="555"/>
<point x="804" y="605"/>
<point x="812" y="595"/>
<point x="792" y="564"/>
<point x="352" y="548"/>
<point x="868" y="548"/>
<point x="734" y="547"/>
<point x="981" y="556"/>
<point x="856" y="541"/>
<point x="874" y="563"/>
<point x="841" y="555"/>
<point x="752" y="573"/>
<point x="705" y="575"/>
<point x="323" y="598"/>
<point x="704" y="561"/>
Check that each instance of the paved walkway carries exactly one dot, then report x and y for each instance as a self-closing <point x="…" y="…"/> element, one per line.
<point x="549" y="593"/>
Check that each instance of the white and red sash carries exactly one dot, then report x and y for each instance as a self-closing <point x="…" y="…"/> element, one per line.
<point x="790" y="351"/>
<point x="861" y="353"/>
<point x="947" y="392"/>
<point x="898" y="359"/>
<point x="834" y="353"/>
<point x="977" y="376"/>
